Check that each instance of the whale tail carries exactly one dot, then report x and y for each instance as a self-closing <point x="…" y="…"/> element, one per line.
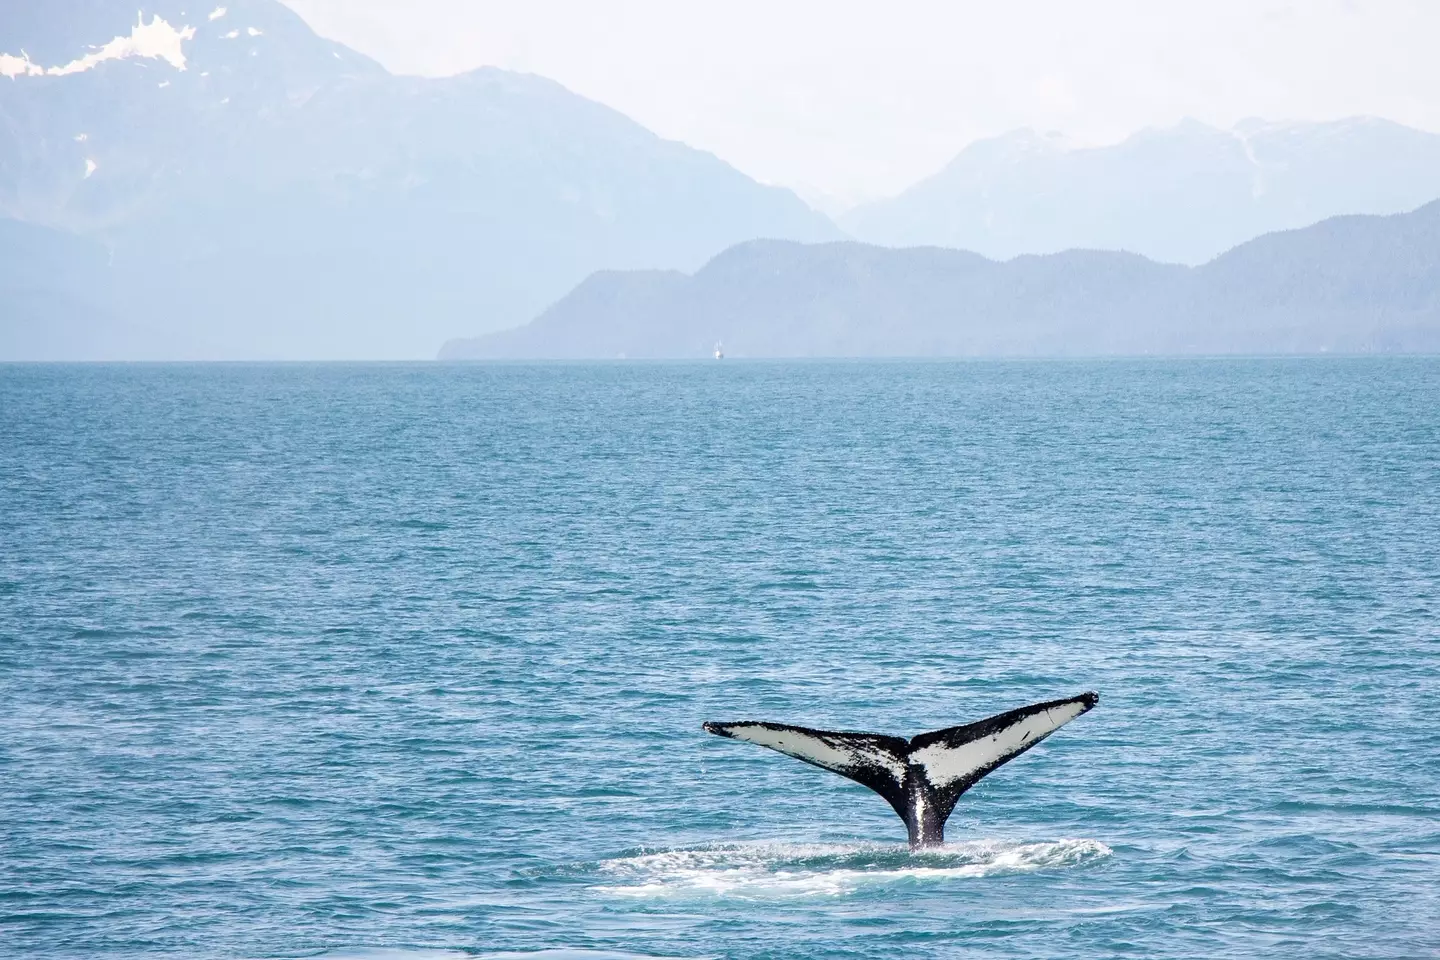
<point x="921" y="778"/>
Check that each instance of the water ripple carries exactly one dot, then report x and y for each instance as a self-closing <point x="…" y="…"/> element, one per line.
<point x="300" y="661"/>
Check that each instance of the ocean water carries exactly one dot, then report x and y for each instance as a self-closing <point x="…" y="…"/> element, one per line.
<point x="410" y="662"/>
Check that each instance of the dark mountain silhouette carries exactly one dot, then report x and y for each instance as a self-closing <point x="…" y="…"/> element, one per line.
<point x="1348" y="284"/>
<point x="1180" y="195"/>
<point x="264" y="192"/>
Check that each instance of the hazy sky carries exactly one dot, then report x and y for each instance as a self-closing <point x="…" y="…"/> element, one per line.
<point x="859" y="99"/>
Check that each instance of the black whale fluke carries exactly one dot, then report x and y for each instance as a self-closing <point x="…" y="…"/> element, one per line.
<point x="923" y="777"/>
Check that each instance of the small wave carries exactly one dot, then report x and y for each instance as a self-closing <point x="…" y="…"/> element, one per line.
<point x="426" y="526"/>
<point x="565" y="953"/>
<point x="781" y="871"/>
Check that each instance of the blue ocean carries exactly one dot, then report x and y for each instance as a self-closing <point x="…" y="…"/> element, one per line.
<point x="411" y="661"/>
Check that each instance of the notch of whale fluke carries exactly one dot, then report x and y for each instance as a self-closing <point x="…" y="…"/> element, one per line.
<point x="922" y="777"/>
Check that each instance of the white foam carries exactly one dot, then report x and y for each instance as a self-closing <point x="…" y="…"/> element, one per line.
<point x="788" y="871"/>
<point x="403" y="953"/>
<point x="253" y="31"/>
<point x="217" y="13"/>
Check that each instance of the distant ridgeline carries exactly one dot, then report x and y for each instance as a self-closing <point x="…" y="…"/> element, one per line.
<point x="1183" y="194"/>
<point x="1349" y="284"/>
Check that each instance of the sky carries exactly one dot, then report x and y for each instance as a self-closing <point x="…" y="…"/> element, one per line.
<point x="845" y="100"/>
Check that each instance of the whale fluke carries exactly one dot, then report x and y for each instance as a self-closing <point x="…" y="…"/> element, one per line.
<point x="923" y="777"/>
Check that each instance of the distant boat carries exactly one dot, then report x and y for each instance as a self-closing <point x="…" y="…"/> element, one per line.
<point x="719" y="351"/>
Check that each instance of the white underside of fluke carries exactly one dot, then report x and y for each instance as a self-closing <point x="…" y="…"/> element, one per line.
<point x="832" y="754"/>
<point x="944" y="765"/>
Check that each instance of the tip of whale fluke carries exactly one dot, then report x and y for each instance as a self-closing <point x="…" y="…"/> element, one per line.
<point x="923" y="776"/>
<point x="722" y="729"/>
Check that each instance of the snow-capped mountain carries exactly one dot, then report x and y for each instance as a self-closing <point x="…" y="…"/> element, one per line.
<point x="265" y="192"/>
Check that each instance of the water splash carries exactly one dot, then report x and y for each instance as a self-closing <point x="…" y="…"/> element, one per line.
<point x="403" y="953"/>
<point x="781" y="871"/>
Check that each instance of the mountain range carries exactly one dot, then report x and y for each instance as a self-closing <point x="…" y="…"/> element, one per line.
<point x="181" y="182"/>
<point x="1350" y="284"/>
<point x="1180" y="195"/>
<point x="261" y="192"/>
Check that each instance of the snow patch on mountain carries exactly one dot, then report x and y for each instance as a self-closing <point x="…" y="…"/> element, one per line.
<point x="156" y="40"/>
<point x="1257" y="183"/>
<point x="22" y="66"/>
